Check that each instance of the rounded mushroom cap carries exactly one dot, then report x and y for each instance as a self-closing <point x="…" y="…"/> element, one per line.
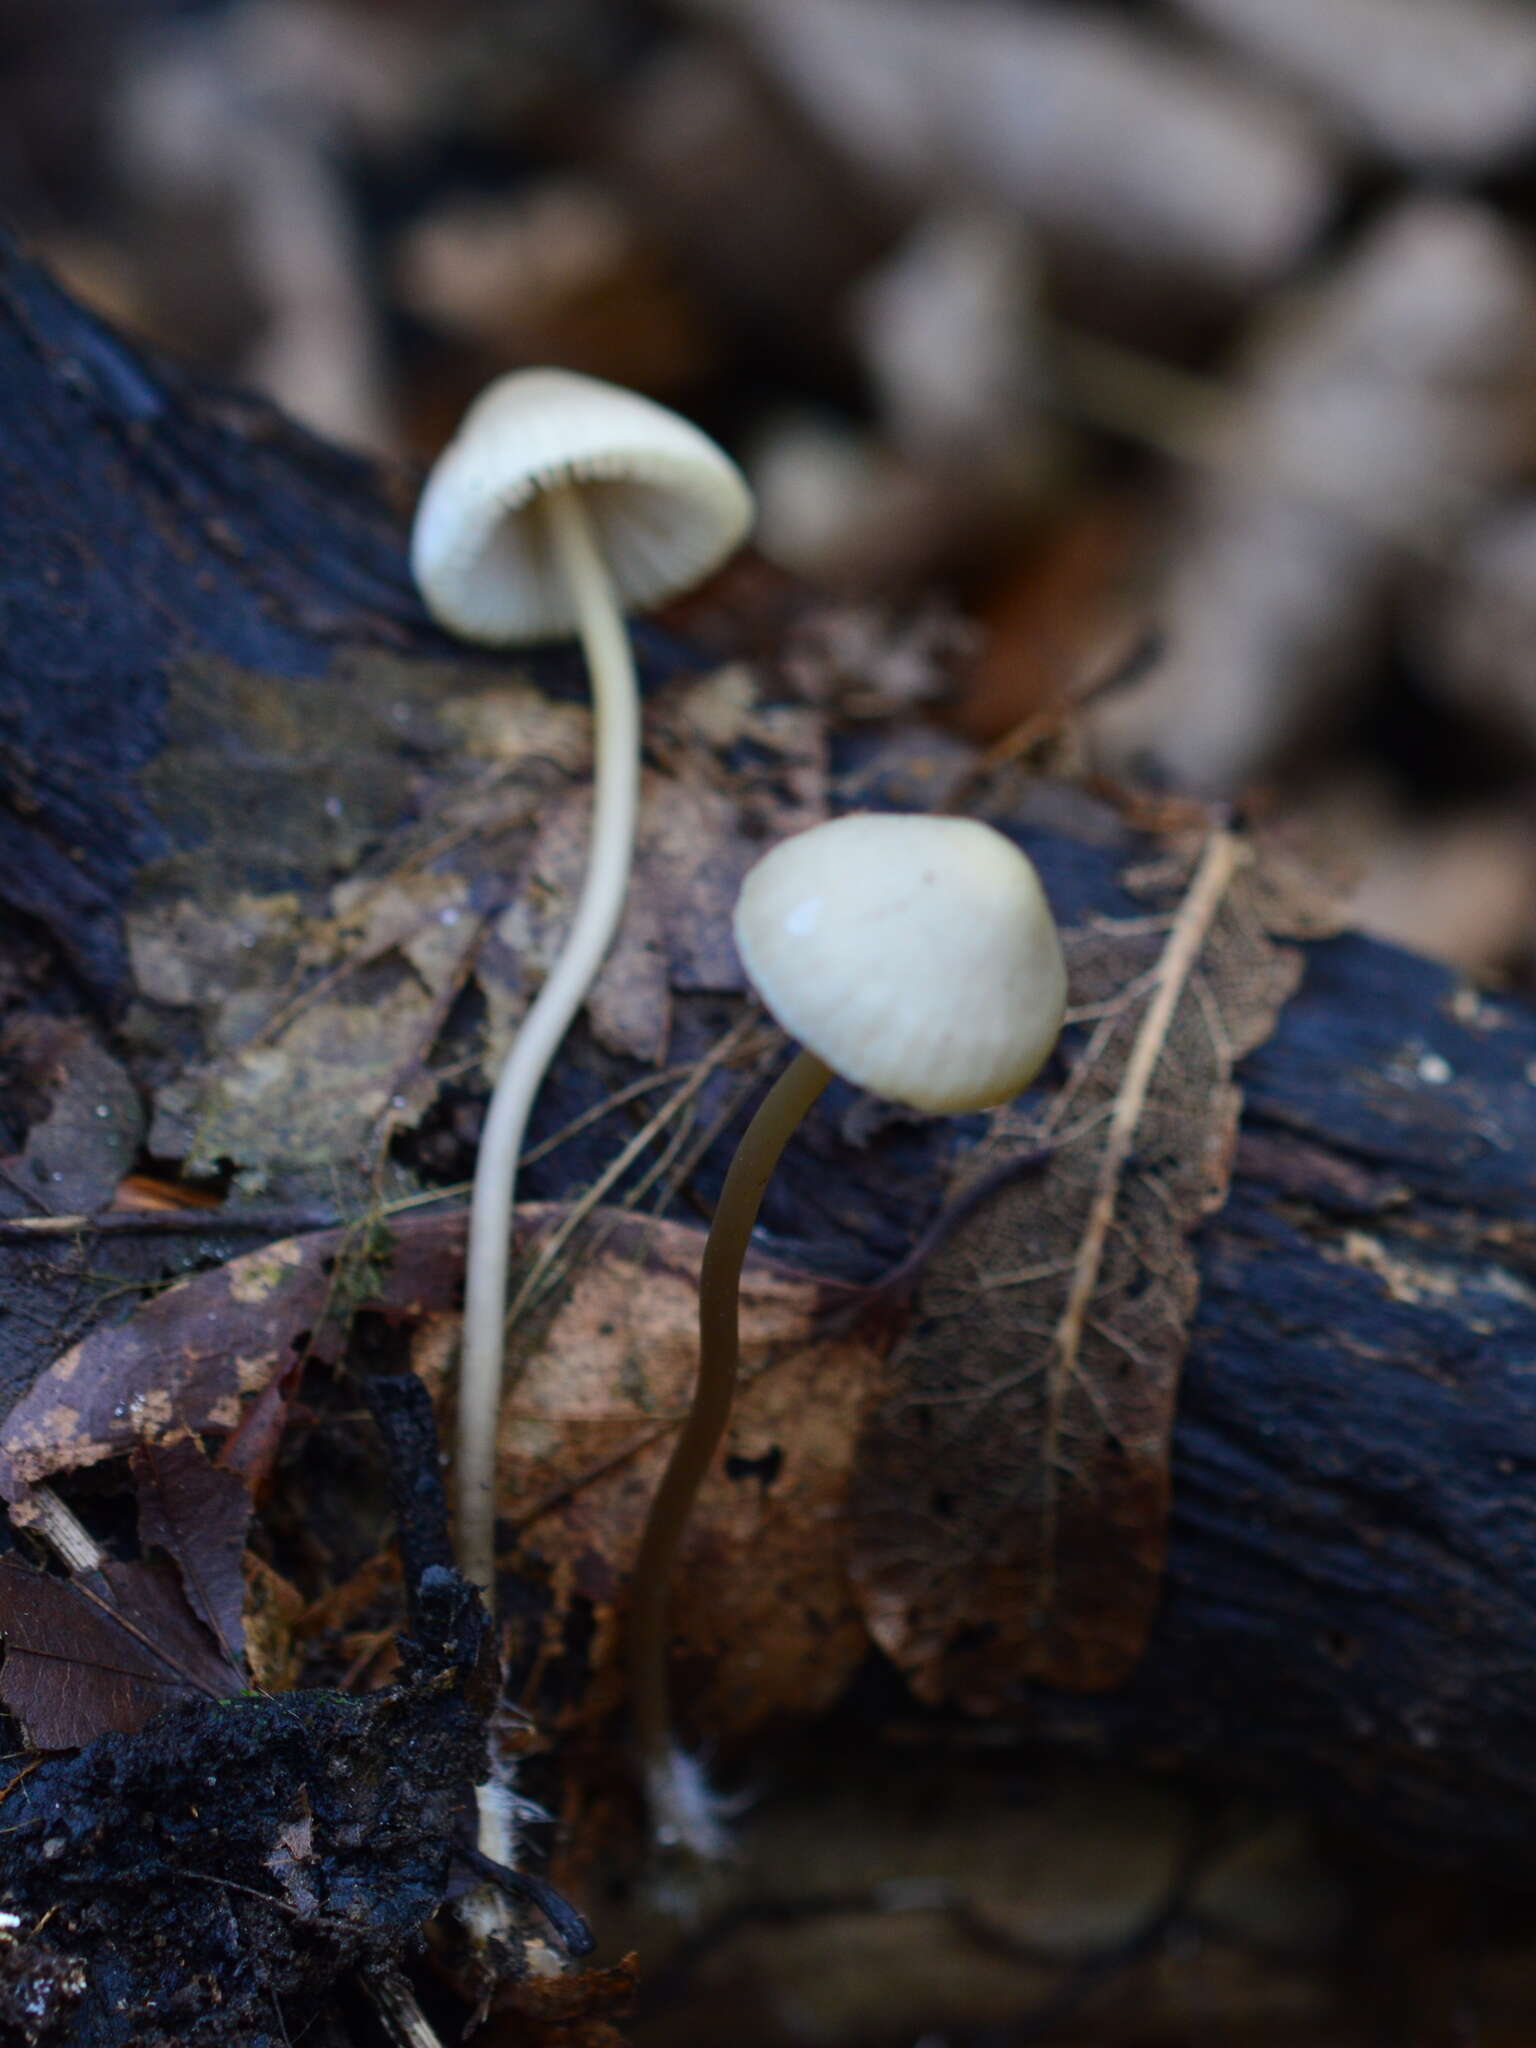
<point x="666" y="504"/>
<point x="916" y="956"/>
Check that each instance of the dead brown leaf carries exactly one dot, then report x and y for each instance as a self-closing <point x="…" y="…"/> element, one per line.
<point x="697" y="833"/>
<point x="197" y="1513"/>
<point x="81" y="1662"/>
<point x="766" y="1620"/>
<point x="1012" y="1489"/>
<point x="188" y="1360"/>
<point x="250" y="1450"/>
<point x="306" y="1021"/>
<point x="271" y="1616"/>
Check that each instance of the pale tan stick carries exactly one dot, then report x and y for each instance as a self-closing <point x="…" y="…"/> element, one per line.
<point x="1223" y="855"/>
<point x="71" y="1540"/>
<point x="406" y="2023"/>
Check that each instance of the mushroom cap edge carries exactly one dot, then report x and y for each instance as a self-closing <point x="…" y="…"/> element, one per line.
<point x="667" y="504"/>
<point x="915" y="956"/>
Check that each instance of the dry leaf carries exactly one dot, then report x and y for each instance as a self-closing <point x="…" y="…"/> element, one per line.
<point x="454" y="807"/>
<point x="273" y="1608"/>
<point x="188" y="1359"/>
<point x="1012" y="1490"/>
<point x="304" y="989"/>
<point x="765" y="1617"/>
<point x="197" y="1513"/>
<point x="698" y="831"/>
<point x="251" y="1447"/>
<point x="313" y="1099"/>
<point x="629" y="1003"/>
<point x="81" y="1663"/>
<point x="575" y="2009"/>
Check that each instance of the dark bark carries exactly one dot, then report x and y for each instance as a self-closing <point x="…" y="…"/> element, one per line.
<point x="1349" y="1608"/>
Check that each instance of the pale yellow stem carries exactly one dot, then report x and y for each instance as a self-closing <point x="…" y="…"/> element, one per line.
<point x="616" y="783"/>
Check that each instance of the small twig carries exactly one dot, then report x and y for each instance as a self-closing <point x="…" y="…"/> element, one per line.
<point x="451" y="1191"/>
<point x="183" y="1875"/>
<point x="568" y="1489"/>
<point x="683" y="1170"/>
<point x="404" y="2021"/>
<point x="168" y="1223"/>
<point x="352" y="1677"/>
<point x="1223" y="855"/>
<point x="18" y="1778"/>
<point x="550" y="1274"/>
<point x="646" y="1085"/>
<point x="74" y="1544"/>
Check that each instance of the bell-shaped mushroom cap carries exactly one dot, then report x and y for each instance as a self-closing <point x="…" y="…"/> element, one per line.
<point x="667" y="505"/>
<point x="916" y="956"/>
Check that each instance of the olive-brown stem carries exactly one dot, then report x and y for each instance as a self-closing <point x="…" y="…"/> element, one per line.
<point x="719" y="1285"/>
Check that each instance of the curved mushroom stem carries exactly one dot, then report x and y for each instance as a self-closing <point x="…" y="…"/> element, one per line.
<point x="678" y="1812"/>
<point x="616" y="784"/>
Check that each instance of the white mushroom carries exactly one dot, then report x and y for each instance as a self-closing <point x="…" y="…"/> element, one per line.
<point x="663" y="505"/>
<point x="560" y="502"/>
<point x="915" y="956"/>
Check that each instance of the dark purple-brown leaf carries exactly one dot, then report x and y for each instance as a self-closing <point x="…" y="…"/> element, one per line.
<point x="83" y="1660"/>
<point x="197" y="1513"/>
<point x="192" y="1358"/>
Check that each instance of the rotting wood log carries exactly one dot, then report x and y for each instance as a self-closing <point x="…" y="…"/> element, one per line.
<point x="1348" y="1613"/>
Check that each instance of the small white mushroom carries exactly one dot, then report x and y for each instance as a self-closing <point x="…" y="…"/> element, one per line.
<point x="662" y="504"/>
<point x="915" y="956"/>
<point x="560" y="502"/>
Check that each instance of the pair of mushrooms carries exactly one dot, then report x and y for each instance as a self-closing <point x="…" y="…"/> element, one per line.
<point x="915" y="957"/>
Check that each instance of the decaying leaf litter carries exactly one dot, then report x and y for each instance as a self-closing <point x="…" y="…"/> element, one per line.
<point x="1166" y="1001"/>
<point x="321" y="1010"/>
